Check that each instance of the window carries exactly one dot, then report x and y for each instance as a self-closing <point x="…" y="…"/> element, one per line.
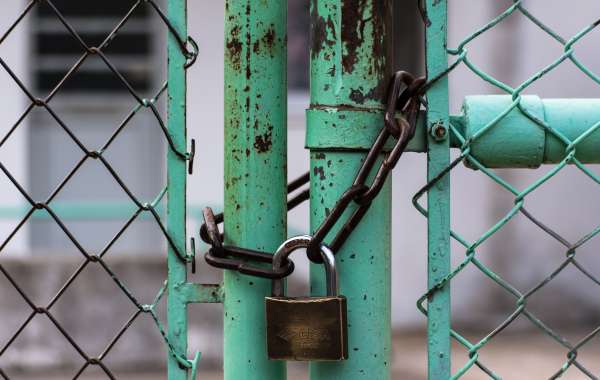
<point x="92" y="102"/>
<point x="56" y="49"/>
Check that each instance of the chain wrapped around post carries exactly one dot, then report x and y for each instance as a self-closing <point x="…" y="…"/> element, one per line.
<point x="237" y="258"/>
<point x="404" y="96"/>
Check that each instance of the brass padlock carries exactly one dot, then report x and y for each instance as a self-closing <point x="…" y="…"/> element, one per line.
<point x="306" y="328"/>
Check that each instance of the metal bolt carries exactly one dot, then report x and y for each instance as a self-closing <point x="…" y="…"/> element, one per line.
<point x="439" y="131"/>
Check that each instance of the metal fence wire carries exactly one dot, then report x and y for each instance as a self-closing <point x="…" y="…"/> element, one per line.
<point x="188" y="49"/>
<point x="460" y="57"/>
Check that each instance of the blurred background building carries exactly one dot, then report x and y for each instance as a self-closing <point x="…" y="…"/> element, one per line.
<point x="39" y="154"/>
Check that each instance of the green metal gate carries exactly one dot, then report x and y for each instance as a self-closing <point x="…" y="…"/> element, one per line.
<point x="182" y="53"/>
<point x="351" y="66"/>
<point x="511" y="131"/>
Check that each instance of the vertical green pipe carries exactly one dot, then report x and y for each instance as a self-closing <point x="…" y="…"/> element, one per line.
<point x="351" y="65"/>
<point x="438" y="200"/>
<point x="255" y="172"/>
<point x="176" y="184"/>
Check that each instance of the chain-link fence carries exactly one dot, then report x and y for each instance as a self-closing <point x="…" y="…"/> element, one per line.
<point x="176" y="242"/>
<point x="188" y="50"/>
<point x="515" y="105"/>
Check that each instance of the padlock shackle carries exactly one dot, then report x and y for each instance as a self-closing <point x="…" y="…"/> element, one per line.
<point x="298" y="242"/>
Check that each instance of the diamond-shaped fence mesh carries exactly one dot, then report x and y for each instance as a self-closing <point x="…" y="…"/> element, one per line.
<point x="189" y="51"/>
<point x="460" y="54"/>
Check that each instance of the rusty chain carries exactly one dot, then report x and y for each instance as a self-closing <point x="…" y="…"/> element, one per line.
<point x="404" y="96"/>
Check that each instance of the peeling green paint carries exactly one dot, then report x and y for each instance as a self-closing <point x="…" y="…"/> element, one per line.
<point x="255" y="172"/>
<point x="350" y="68"/>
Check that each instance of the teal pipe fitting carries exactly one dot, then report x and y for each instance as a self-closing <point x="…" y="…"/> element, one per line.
<point x="517" y="141"/>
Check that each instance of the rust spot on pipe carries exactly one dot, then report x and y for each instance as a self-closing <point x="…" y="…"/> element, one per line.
<point x="264" y="142"/>
<point x="266" y="42"/>
<point x="373" y="51"/>
<point x="357" y="96"/>
<point x="319" y="30"/>
<point x="381" y="50"/>
<point x="353" y="27"/>
<point x="248" y="39"/>
<point x="234" y="48"/>
<point x="319" y="172"/>
<point x="269" y="37"/>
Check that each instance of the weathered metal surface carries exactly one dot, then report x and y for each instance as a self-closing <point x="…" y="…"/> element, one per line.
<point x="438" y="197"/>
<point x="365" y="266"/>
<point x="350" y="128"/>
<point x="351" y="66"/>
<point x="353" y="129"/>
<point x="255" y="172"/>
<point x="176" y="185"/>
<point x="351" y="40"/>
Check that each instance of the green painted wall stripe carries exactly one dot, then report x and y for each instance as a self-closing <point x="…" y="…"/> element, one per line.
<point x="438" y="200"/>
<point x="255" y="172"/>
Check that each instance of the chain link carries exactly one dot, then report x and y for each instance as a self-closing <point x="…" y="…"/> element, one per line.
<point x="243" y="259"/>
<point x="403" y="95"/>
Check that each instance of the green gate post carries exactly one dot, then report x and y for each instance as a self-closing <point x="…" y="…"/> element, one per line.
<point x="255" y="172"/>
<point x="176" y="184"/>
<point x="351" y="65"/>
<point x="438" y="199"/>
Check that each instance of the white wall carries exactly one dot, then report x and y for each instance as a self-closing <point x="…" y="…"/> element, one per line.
<point x="13" y="153"/>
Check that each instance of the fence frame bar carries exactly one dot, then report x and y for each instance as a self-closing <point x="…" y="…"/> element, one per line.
<point x="255" y="173"/>
<point x="176" y="184"/>
<point x="351" y="65"/>
<point x="438" y="198"/>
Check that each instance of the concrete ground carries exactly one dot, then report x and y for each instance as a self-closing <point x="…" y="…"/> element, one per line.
<point x="517" y="356"/>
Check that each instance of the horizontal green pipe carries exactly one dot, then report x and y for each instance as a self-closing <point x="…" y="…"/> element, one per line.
<point x="516" y="141"/>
